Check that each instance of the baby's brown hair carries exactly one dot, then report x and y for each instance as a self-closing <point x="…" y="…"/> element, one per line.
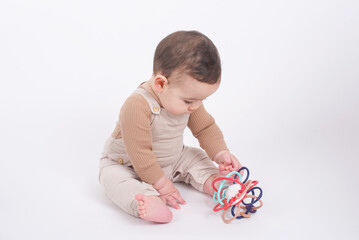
<point x="192" y="53"/>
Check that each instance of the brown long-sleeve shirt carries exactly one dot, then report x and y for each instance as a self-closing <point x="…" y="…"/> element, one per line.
<point x="134" y="126"/>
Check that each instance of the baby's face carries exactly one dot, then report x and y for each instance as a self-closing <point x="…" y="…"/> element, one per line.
<point x="186" y="94"/>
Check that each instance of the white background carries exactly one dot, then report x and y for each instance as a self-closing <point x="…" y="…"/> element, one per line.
<point x="288" y="108"/>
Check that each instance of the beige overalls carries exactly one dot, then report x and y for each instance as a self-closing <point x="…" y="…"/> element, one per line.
<point x="180" y="163"/>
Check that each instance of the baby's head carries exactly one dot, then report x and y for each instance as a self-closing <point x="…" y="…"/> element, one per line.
<point x="186" y="70"/>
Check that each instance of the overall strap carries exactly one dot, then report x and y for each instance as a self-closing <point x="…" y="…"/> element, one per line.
<point x="154" y="105"/>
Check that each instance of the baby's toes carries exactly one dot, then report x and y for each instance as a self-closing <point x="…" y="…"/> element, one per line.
<point x="142" y="212"/>
<point x="141" y="209"/>
<point x="140" y="203"/>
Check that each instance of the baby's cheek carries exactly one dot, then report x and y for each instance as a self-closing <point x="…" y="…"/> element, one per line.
<point x="176" y="110"/>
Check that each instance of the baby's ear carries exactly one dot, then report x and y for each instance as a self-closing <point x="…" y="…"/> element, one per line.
<point x="160" y="82"/>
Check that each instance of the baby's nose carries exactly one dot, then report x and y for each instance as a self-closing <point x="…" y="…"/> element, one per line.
<point x="191" y="109"/>
<point x="194" y="106"/>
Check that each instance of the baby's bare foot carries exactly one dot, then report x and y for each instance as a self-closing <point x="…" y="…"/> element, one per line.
<point x="153" y="209"/>
<point x="208" y="185"/>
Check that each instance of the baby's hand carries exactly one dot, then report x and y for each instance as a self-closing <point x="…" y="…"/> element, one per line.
<point x="168" y="192"/>
<point x="227" y="162"/>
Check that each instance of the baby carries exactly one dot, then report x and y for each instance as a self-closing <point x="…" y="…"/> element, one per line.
<point x="145" y="153"/>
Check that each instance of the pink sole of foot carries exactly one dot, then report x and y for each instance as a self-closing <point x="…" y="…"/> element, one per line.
<point x="155" y="209"/>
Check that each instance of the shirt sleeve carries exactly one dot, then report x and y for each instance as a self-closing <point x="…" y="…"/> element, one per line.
<point x="135" y="119"/>
<point x="204" y="128"/>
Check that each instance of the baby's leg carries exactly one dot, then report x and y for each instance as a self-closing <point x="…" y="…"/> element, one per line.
<point x="137" y="198"/>
<point x="153" y="209"/>
<point x="208" y="185"/>
<point x="198" y="170"/>
<point x="194" y="167"/>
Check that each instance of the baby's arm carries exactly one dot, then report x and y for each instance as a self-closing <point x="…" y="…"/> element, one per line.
<point x="204" y="128"/>
<point x="211" y="139"/>
<point x="135" y="120"/>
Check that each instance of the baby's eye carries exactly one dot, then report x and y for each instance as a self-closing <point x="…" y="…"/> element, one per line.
<point x="187" y="102"/>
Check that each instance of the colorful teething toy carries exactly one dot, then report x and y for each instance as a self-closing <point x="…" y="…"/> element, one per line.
<point x="234" y="195"/>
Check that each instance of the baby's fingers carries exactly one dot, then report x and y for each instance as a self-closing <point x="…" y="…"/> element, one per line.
<point x="178" y="197"/>
<point x="222" y="167"/>
<point x="173" y="202"/>
<point x="223" y="172"/>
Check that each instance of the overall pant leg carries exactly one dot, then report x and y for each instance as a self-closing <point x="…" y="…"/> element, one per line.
<point x="120" y="181"/>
